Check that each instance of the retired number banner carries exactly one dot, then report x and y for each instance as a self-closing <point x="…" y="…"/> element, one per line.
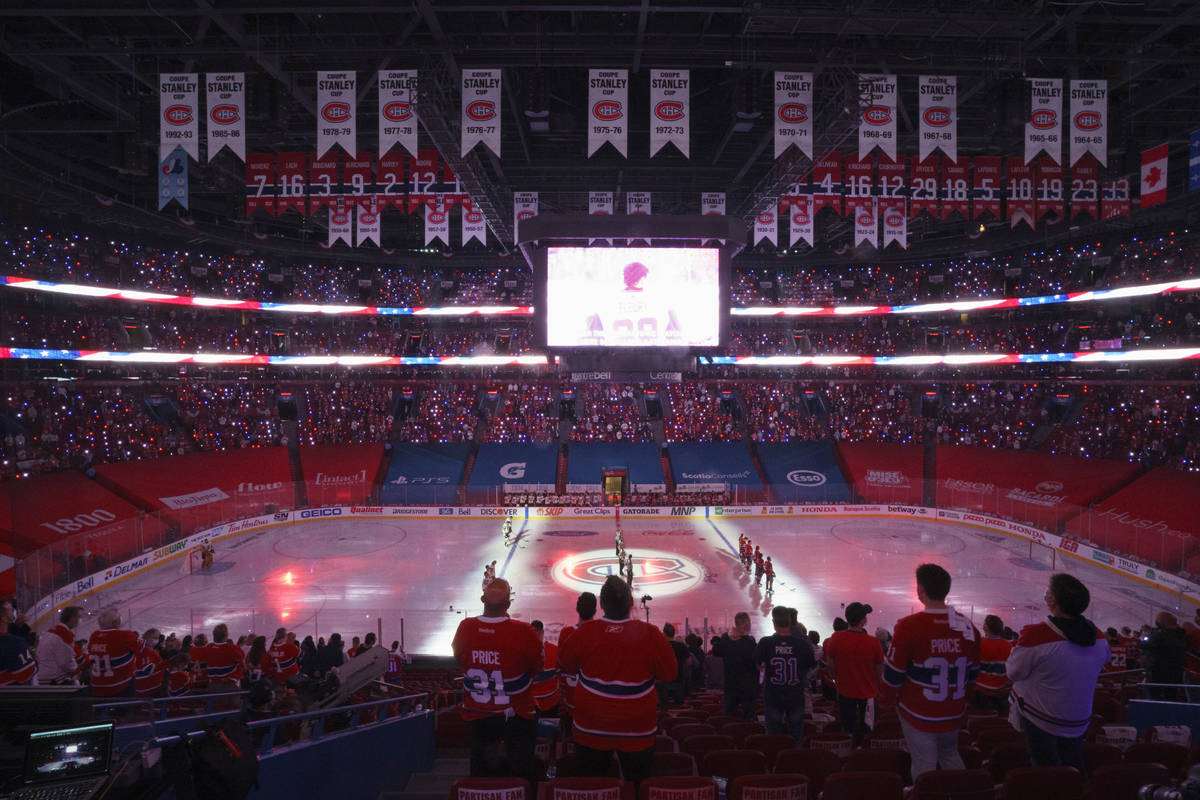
<point x="525" y="205"/>
<point x="793" y="112"/>
<point x="1085" y="188"/>
<point x="1019" y="183"/>
<point x="179" y="121"/>
<point x="437" y="222"/>
<point x="1089" y="121"/>
<point x="337" y="107"/>
<point x="340" y="228"/>
<point x="892" y="174"/>
<point x="670" y="109"/>
<point x="877" y="114"/>
<point x="1116" y="199"/>
<point x="323" y="182"/>
<point x="1043" y="131"/>
<point x="895" y="223"/>
<point x="608" y="110"/>
<point x="827" y="183"/>
<point x="481" y="109"/>
<point x="226" y="95"/>
<point x="938" y="105"/>
<point x="260" y="183"/>
<point x="367" y="219"/>
<point x="712" y="204"/>
<point x="866" y="225"/>
<point x="392" y="184"/>
<point x="359" y="176"/>
<point x="924" y="183"/>
<point x="1049" y="189"/>
<point x="986" y="188"/>
<point x="293" y="183"/>
<point x="956" y="188"/>
<point x="474" y="226"/>
<point x="860" y="182"/>
<point x="397" y="110"/>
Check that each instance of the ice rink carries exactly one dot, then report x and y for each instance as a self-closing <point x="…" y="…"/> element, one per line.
<point x="317" y="577"/>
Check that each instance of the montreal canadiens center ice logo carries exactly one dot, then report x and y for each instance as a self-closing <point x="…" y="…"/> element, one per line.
<point x="654" y="572"/>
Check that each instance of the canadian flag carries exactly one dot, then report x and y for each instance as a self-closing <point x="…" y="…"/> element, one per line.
<point x="1154" y="176"/>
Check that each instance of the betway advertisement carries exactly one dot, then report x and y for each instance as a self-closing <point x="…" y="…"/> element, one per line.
<point x="204" y="488"/>
<point x="341" y="474"/>
<point x="884" y="473"/>
<point x="1035" y="487"/>
<point x="1155" y="519"/>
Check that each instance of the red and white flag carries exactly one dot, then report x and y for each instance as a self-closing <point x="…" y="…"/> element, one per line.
<point x="474" y="226"/>
<point x="397" y="110"/>
<point x="226" y="113"/>
<point x="712" y="204"/>
<point x="525" y="205"/>
<point x="481" y="109"/>
<point x="766" y="226"/>
<point x="670" y="110"/>
<point x="1154" y="176"/>
<point x="801" y="213"/>
<point x="337" y="108"/>
<point x="367" y="218"/>
<point x="608" y="110"/>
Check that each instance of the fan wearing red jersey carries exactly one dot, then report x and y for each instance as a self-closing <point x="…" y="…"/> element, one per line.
<point x="112" y="653"/>
<point x="993" y="687"/>
<point x="285" y="656"/>
<point x="221" y="660"/>
<point x="148" y="667"/>
<point x="179" y="676"/>
<point x="545" y="682"/>
<point x="618" y="660"/>
<point x="500" y="657"/>
<point x="585" y="607"/>
<point x="934" y="662"/>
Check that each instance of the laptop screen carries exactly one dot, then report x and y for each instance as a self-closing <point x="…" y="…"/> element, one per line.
<point x="68" y="753"/>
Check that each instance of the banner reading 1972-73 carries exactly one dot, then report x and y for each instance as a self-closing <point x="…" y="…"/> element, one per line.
<point x="670" y="109"/>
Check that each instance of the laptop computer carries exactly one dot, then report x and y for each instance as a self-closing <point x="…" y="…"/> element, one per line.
<point x="66" y="763"/>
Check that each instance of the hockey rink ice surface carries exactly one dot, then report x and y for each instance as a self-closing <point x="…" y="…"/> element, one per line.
<point x="324" y="576"/>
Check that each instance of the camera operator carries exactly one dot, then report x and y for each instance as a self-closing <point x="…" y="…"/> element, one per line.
<point x="1165" y="650"/>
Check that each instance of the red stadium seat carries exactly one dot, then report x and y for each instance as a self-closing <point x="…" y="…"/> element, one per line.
<point x="1006" y="757"/>
<point x="682" y="731"/>
<point x="665" y="744"/>
<point x="895" y="761"/>
<point x="740" y="730"/>
<point x="769" y="787"/>
<point x="722" y="720"/>
<point x="677" y="788"/>
<point x="490" y="789"/>
<point x="863" y="786"/>
<point x="1122" y="781"/>
<point x="674" y="765"/>
<point x="954" y="784"/>
<point x="816" y="765"/>
<point x="732" y="763"/>
<point x="839" y="743"/>
<point x="567" y="766"/>
<point x="585" y="789"/>
<point x="1172" y="756"/>
<point x="1097" y="755"/>
<point x="769" y="744"/>
<point x="698" y="746"/>
<point x="1043" y="783"/>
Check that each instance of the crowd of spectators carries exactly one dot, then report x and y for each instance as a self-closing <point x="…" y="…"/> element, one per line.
<point x="46" y="427"/>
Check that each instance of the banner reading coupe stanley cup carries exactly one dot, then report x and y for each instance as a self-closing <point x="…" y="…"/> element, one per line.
<point x="481" y="109"/>
<point x="608" y="109"/>
<point x="226" y="113"/>
<point x="474" y="226"/>
<point x="1043" y="131"/>
<point x="637" y="204"/>
<point x="877" y="114"/>
<point x="525" y="205"/>
<point x="1089" y="120"/>
<point x="670" y="109"/>
<point x="398" y="110"/>
<point x="938" y="106"/>
<point x="793" y="112"/>
<point x="600" y="203"/>
<point x="337" y="108"/>
<point x="367" y="222"/>
<point x="179" y="118"/>
<point x="712" y="204"/>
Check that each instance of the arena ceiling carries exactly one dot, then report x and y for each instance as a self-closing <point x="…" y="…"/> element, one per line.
<point x="79" y="99"/>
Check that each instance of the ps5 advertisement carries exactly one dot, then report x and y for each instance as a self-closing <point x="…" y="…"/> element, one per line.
<point x="637" y="297"/>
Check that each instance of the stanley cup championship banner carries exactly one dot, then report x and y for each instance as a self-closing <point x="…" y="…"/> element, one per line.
<point x="337" y="109"/>
<point x="877" y="114"/>
<point x="801" y="219"/>
<point x="178" y="96"/>
<point x="938" y="106"/>
<point x="670" y="109"/>
<point x="339" y="223"/>
<point x="398" y="110"/>
<point x="226" y="95"/>
<point x="367" y="220"/>
<point x="895" y="224"/>
<point x="1089" y="121"/>
<point x="866" y="224"/>
<point x="766" y="225"/>
<point x="474" y="226"/>
<point x="437" y="222"/>
<point x="608" y="106"/>
<point x="1043" y="131"/>
<point x="600" y="203"/>
<point x="712" y="204"/>
<point x="481" y="109"/>
<point x="525" y="205"/>
<point x="637" y="203"/>
<point x="793" y="112"/>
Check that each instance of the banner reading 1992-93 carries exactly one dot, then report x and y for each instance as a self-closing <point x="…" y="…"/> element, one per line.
<point x="608" y="110"/>
<point x="178" y="96"/>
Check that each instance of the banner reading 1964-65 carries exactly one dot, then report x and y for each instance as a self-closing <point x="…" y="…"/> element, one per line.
<point x="608" y="110"/>
<point x="793" y="112"/>
<point x="180" y="118"/>
<point x="398" y="110"/>
<point x="481" y="109"/>
<point x="670" y="109"/>
<point x="337" y="108"/>
<point x="226" y="113"/>
<point x="1089" y="121"/>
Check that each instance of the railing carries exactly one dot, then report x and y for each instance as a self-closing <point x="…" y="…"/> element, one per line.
<point x="159" y="706"/>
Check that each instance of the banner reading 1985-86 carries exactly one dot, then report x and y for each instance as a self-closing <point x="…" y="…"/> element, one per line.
<point x="226" y="113"/>
<point x="180" y="118"/>
<point x="481" y="109"/>
<point x="608" y="110"/>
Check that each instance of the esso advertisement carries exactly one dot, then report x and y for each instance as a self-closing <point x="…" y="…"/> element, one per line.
<point x="632" y="297"/>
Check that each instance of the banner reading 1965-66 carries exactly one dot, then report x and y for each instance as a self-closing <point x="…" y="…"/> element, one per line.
<point x="1043" y="131"/>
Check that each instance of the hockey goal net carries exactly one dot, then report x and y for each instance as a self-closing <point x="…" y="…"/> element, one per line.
<point x="195" y="560"/>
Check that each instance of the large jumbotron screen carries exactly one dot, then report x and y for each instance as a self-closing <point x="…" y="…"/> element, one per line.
<point x="633" y="297"/>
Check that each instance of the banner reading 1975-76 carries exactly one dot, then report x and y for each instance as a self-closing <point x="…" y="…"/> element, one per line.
<point x="608" y="110"/>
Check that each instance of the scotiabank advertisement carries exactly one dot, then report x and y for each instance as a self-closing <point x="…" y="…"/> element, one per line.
<point x="884" y="473"/>
<point x="206" y="488"/>
<point x="340" y="475"/>
<point x="1035" y="487"/>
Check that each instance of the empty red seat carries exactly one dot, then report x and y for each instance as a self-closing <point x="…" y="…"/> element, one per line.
<point x="769" y="744"/>
<point x="698" y="746"/>
<point x="488" y="789"/>
<point x="1172" y="756"/>
<point x="954" y="784"/>
<point x="1043" y="783"/>
<point x="674" y="765"/>
<point x="665" y="744"/>
<point x="1122" y="781"/>
<point x="585" y="789"/>
<point x="740" y="730"/>
<point x="895" y="761"/>
<point x="839" y="743"/>
<point x="769" y="787"/>
<point x="816" y="765"/>
<point x="863" y="786"/>
<point x="730" y="764"/>
<point x="682" y="730"/>
<point x="677" y="788"/>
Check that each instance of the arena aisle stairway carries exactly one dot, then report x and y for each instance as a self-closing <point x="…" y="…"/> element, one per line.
<point x="435" y="784"/>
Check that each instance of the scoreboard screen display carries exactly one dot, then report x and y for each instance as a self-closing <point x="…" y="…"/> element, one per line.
<point x="633" y="297"/>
